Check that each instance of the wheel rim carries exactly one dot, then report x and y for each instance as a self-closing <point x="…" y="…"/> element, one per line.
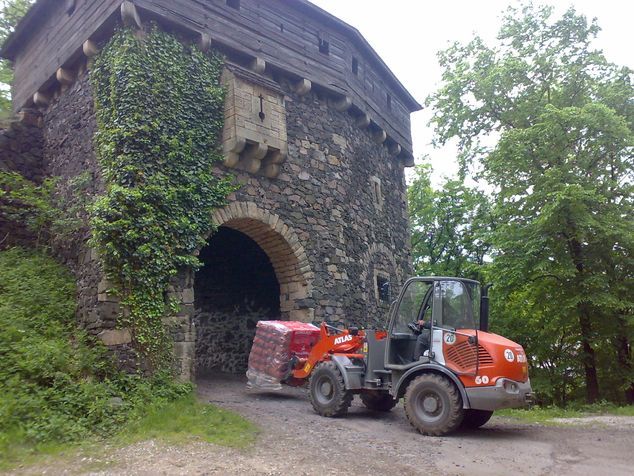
<point x="325" y="390"/>
<point x="429" y="406"/>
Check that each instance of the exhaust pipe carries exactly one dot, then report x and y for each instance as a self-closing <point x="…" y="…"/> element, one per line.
<point x="484" y="308"/>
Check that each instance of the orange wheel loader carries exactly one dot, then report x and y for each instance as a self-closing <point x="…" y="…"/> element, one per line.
<point x="451" y="371"/>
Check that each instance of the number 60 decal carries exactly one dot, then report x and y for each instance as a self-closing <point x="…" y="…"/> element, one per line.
<point x="481" y="380"/>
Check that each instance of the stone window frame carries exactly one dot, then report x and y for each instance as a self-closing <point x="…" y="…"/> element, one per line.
<point x="384" y="275"/>
<point x="377" y="192"/>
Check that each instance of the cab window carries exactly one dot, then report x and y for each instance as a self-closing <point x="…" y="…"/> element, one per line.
<point x="416" y="295"/>
<point x="456" y="305"/>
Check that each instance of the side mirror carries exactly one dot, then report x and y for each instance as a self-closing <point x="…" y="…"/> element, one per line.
<point x="484" y="308"/>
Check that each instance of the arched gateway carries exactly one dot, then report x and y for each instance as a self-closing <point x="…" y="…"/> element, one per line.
<point x="253" y="268"/>
<point x="284" y="250"/>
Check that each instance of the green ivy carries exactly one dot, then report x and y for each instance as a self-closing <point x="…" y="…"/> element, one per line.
<point x="160" y="111"/>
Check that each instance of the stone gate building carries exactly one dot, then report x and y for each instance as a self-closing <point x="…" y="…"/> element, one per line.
<point x="317" y="132"/>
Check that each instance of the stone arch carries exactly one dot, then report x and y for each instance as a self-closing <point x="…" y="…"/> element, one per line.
<point x="284" y="249"/>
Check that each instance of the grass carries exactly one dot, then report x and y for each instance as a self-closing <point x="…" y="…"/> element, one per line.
<point x="186" y="419"/>
<point x="177" y="422"/>
<point x="546" y="415"/>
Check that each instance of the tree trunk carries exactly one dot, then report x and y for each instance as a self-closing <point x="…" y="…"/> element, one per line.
<point x="624" y="359"/>
<point x="585" y="327"/>
<point x="588" y="356"/>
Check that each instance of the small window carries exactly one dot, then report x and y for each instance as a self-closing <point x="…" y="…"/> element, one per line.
<point x="383" y="288"/>
<point x="70" y="6"/>
<point x="324" y="47"/>
<point x="377" y="193"/>
<point x="389" y="102"/>
<point x="234" y="4"/>
<point x="355" y="66"/>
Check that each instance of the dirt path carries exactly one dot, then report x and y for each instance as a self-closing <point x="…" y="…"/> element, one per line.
<point x="295" y="441"/>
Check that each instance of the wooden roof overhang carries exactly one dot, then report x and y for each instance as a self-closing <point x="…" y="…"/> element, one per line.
<point x="367" y="112"/>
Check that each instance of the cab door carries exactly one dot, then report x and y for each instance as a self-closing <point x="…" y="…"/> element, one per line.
<point x="415" y="300"/>
<point x="454" y="331"/>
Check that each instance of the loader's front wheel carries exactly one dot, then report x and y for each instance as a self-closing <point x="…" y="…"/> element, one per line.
<point x="433" y="405"/>
<point x="378" y="401"/>
<point x="475" y="418"/>
<point x="328" y="393"/>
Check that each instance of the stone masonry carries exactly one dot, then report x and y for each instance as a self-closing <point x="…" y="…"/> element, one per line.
<point x="20" y="152"/>
<point x="322" y="193"/>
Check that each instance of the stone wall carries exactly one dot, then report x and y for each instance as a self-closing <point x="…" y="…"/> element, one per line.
<point x="326" y="193"/>
<point x="68" y="127"/>
<point x="21" y="146"/>
<point x="21" y="152"/>
<point x="223" y="340"/>
<point x="342" y="197"/>
<point x="331" y="221"/>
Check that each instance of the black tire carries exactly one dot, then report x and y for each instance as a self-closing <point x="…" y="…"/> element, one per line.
<point x="475" y="418"/>
<point x="328" y="393"/>
<point x="433" y="405"/>
<point x="378" y="401"/>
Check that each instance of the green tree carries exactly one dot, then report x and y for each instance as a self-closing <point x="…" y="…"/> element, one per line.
<point x="448" y="226"/>
<point x="561" y="170"/>
<point x="11" y="11"/>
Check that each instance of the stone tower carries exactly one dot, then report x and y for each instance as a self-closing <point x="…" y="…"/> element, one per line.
<point x="317" y="132"/>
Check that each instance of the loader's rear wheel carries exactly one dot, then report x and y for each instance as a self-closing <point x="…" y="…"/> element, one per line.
<point x="328" y="393"/>
<point x="475" y="418"/>
<point x="433" y="405"/>
<point x="378" y="401"/>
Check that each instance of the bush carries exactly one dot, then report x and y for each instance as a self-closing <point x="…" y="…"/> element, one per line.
<point x="56" y="383"/>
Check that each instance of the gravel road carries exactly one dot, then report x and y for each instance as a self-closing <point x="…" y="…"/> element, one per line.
<point x="296" y="441"/>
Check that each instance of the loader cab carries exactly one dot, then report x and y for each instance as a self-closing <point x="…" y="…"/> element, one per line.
<point x="452" y="305"/>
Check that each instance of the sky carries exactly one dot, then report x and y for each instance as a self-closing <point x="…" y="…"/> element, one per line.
<point x="407" y="34"/>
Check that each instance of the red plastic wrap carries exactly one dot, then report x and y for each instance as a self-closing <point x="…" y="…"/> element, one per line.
<point x="274" y="345"/>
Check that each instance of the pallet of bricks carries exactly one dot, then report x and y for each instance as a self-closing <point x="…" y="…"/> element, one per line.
<point x="274" y="345"/>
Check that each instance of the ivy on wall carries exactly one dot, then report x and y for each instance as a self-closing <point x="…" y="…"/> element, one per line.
<point x="160" y="112"/>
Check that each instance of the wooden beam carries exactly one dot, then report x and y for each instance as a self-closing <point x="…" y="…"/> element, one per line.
<point x="204" y="42"/>
<point x="130" y="16"/>
<point x="90" y="48"/>
<point x="41" y="99"/>
<point x="394" y="149"/>
<point x="379" y="136"/>
<point x="362" y="121"/>
<point x="257" y="65"/>
<point x="342" y="104"/>
<point x="65" y="77"/>
<point x="303" y="87"/>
